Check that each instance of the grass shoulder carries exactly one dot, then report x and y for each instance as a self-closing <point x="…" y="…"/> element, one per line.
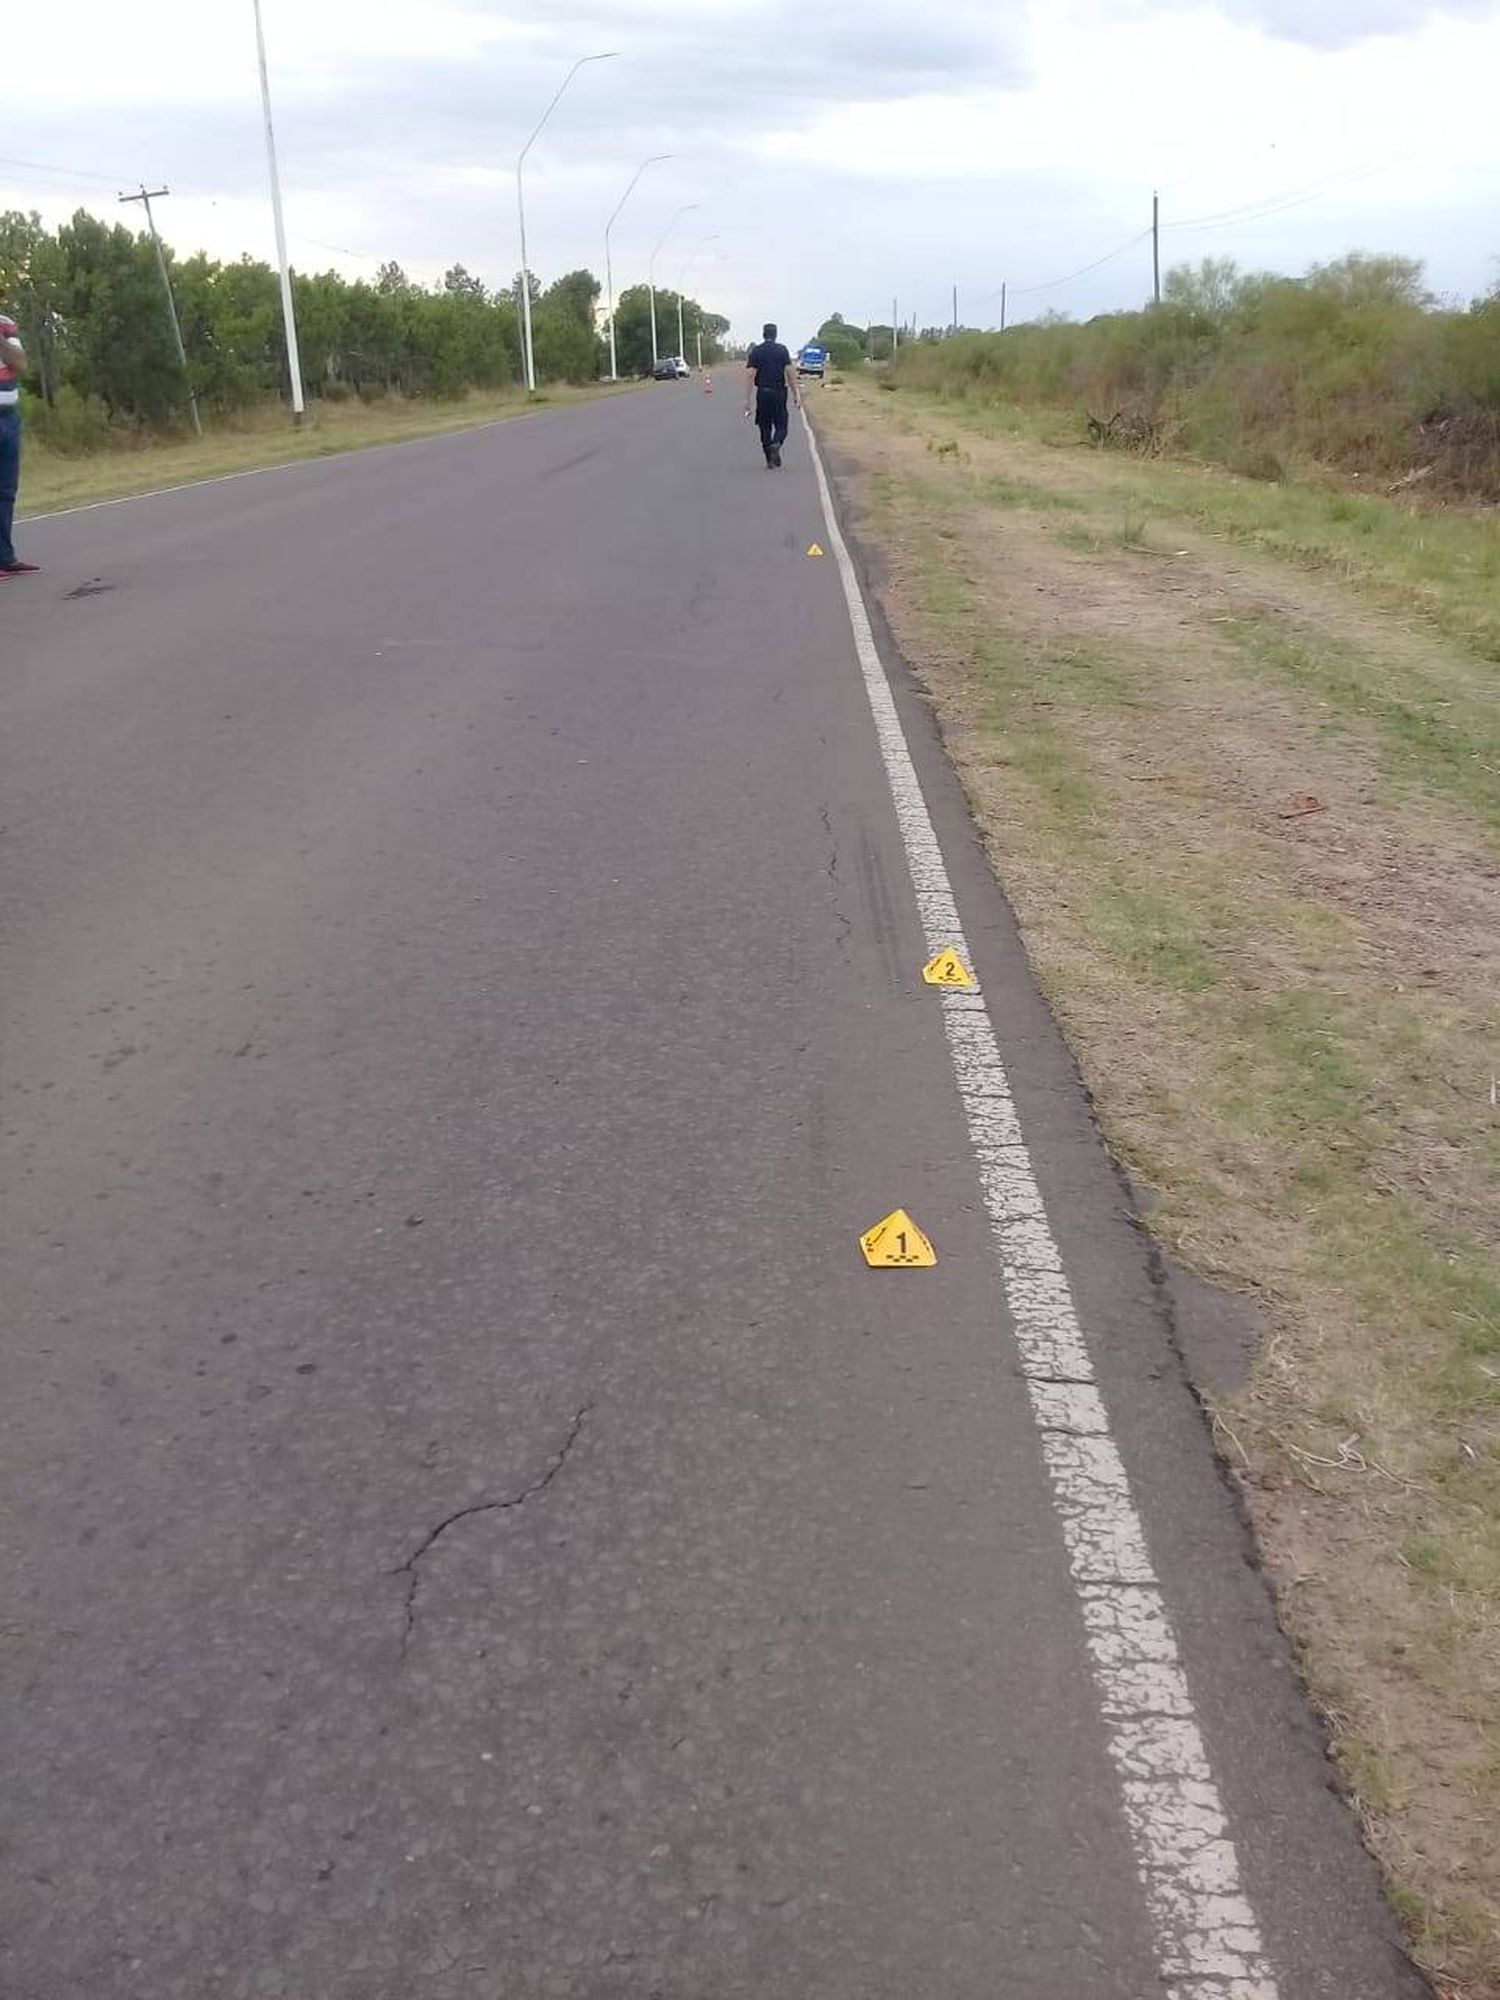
<point x="1235" y="753"/>
<point x="51" y="479"/>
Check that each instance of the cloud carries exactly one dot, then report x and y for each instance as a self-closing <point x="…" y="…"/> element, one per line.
<point x="836" y="151"/>
<point x="1341" y="24"/>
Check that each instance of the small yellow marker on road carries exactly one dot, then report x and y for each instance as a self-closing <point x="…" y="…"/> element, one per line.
<point x="897" y="1244"/>
<point x="947" y="969"/>
<point x="813" y="549"/>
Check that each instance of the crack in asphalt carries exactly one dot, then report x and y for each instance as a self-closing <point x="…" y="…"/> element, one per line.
<point x="505" y="1505"/>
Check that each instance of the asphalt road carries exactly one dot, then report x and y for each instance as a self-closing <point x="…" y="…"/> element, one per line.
<point x="473" y="1526"/>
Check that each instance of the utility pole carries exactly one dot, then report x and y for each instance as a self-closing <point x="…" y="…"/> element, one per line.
<point x="895" y="330"/>
<point x="1002" y="306"/>
<point x="1156" y="249"/>
<point x="145" y="198"/>
<point x="681" y="291"/>
<point x="288" y="312"/>
<point x="955" y="309"/>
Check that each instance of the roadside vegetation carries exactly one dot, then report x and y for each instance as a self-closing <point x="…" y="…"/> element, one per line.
<point x="1235" y="751"/>
<point x="106" y="400"/>
<point x="1353" y="371"/>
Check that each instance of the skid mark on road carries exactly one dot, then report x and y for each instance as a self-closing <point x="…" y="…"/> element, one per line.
<point x="1207" y="1942"/>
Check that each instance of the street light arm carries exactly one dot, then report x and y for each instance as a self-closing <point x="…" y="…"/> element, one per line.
<point x="687" y="209"/>
<point x="655" y="160"/>
<point x="694" y="255"/>
<point x="606" y="55"/>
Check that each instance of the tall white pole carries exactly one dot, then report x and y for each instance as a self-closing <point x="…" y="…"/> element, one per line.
<point x="609" y="305"/>
<point x="686" y="209"/>
<point x="528" y="363"/>
<point x="681" y="288"/>
<point x="527" y="355"/>
<point x="288" y="315"/>
<point x="609" y="274"/>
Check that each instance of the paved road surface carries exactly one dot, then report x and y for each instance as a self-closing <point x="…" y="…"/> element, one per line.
<point x="473" y="1526"/>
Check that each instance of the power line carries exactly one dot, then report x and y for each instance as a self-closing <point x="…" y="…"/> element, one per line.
<point x="1253" y="211"/>
<point x="1242" y="216"/>
<point x="1277" y="203"/>
<point x="1056" y="284"/>
<point x="62" y="173"/>
<point x="341" y="250"/>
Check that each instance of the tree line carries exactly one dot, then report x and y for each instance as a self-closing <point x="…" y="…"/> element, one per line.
<point x="88" y="297"/>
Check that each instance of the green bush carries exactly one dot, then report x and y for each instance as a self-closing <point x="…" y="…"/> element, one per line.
<point x="1352" y="367"/>
<point x="71" y="423"/>
<point x="845" y="349"/>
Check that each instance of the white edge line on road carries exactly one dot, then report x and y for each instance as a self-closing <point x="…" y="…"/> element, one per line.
<point x="1207" y="1941"/>
<point x="182" y="486"/>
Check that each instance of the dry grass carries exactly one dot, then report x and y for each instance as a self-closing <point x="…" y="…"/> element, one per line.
<point x="1250" y="821"/>
<point x="51" y="479"/>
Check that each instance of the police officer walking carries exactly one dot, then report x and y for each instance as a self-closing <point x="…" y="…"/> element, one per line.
<point x="768" y="374"/>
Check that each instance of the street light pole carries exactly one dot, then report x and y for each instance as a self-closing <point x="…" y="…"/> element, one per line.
<point x="527" y="355"/>
<point x="692" y="260"/>
<point x="609" y="274"/>
<point x="686" y="209"/>
<point x="288" y="314"/>
<point x="145" y="198"/>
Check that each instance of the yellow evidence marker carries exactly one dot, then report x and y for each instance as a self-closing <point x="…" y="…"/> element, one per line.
<point x="897" y="1244"/>
<point x="947" y="969"/>
<point x="813" y="549"/>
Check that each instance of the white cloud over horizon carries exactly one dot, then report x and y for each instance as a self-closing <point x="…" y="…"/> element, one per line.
<point x="837" y="154"/>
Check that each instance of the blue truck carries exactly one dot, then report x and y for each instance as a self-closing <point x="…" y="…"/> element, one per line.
<point x="812" y="361"/>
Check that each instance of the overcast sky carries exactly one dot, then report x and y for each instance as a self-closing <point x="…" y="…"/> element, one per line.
<point x="837" y="153"/>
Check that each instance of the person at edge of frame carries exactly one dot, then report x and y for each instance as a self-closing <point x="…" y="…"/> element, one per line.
<point x="12" y="366"/>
